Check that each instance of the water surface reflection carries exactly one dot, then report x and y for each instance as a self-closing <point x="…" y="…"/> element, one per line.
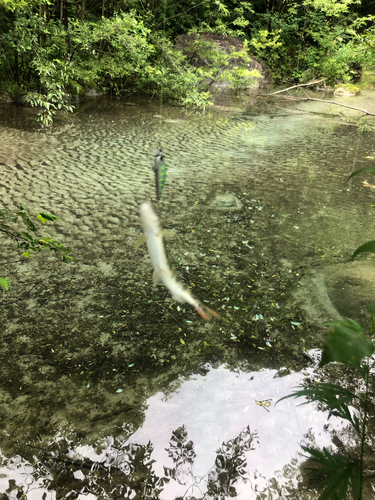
<point x="209" y="439"/>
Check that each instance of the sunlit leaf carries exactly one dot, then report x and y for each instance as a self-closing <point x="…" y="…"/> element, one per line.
<point x="347" y="344"/>
<point x="43" y="216"/>
<point x="26" y="254"/>
<point x="368" y="247"/>
<point x="4" y="283"/>
<point x="371" y="170"/>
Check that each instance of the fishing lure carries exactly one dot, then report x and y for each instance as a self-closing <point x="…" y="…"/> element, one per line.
<point x="160" y="171"/>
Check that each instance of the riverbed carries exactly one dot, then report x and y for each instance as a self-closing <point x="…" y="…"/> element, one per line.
<point x="109" y="388"/>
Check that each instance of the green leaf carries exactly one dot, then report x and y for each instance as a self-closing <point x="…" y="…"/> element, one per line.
<point x="26" y="220"/>
<point x="371" y="308"/>
<point x="22" y="206"/>
<point x="337" y="471"/>
<point x="27" y="237"/>
<point x="48" y="216"/>
<point x="26" y="254"/>
<point x="4" y="283"/>
<point x="347" y="344"/>
<point x="41" y="218"/>
<point x="371" y="170"/>
<point x="368" y="247"/>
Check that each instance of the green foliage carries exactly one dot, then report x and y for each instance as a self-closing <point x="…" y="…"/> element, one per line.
<point x="4" y="284"/>
<point x="358" y="171"/>
<point x="332" y="397"/>
<point x="29" y="241"/>
<point x="50" y="49"/>
<point x="368" y="247"/>
<point x="347" y="343"/>
<point x="335" y="473"/>
<point x="371" y="310"/>
<point x="338" y="474"/>
<point x="54" y="77"/>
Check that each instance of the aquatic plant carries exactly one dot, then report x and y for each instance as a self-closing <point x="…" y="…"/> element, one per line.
<point x="341" y="474"/>
<point x="369" y="246"/>
<point x="26" y="242"/>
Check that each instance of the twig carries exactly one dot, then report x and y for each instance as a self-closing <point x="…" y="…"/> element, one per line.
<point x="309" y="84"/>
<point x="23" y="296"/>
<point x="180" y="14"/>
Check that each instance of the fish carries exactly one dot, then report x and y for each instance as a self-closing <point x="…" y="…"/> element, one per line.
<point x="160" y="171"/>
<point x="153" y="236"/>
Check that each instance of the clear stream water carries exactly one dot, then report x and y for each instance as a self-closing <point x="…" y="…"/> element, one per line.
<point x="108" y="388"/>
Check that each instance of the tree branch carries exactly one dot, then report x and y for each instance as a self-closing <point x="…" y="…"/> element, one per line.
<point x="181" y="14"/>
<point x="293" y="98"/>
<point x="309" y="84"/>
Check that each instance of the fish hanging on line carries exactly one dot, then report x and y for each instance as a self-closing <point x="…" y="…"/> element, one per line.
<point x="153" y="236"/>
<point x="160" y="171"/>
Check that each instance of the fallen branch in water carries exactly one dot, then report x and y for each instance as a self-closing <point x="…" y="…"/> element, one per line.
<point x="294" y="98"/>
<point x="308" y="84"/>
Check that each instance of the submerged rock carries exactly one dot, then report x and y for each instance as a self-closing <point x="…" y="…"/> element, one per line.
<point x="226" y="201"/>
<point x="5" y="98"/>
<point x="338" y="291"/>
<point x="351" y="287"/>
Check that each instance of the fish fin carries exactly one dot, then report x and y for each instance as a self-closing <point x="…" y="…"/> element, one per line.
<point x="206" y="312"/>
<point x="156" y="277"/>
<point x="142" y="239"/>
<point x="168" y="234"/>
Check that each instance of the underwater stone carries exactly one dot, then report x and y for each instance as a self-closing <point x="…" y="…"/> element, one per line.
<point x="226" y="201"/>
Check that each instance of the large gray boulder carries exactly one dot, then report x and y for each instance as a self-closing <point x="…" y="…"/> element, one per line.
<point x="210" y="51"/>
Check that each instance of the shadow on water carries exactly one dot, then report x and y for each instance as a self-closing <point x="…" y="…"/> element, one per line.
<point x="108" y="388"/>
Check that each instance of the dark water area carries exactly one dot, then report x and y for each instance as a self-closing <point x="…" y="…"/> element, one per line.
<point x="109" y="388"/>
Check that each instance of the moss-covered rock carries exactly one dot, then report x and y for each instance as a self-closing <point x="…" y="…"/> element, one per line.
<point x="347" y="90"/>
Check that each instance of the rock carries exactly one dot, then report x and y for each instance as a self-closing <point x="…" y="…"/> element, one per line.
<point x="92" y="92"/>
<point x="351" y="287"/>
<point x="338" y="291"/>
<point x="197" y="49"/>
<point x="5" y="98"/>
<point x="347" y="91"/>
<point x="226" y="201"/>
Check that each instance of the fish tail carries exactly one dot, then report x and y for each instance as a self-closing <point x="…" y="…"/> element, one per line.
<point x="206" y="312"/>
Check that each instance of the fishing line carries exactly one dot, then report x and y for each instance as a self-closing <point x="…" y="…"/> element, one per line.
<point x="159" y="166"/>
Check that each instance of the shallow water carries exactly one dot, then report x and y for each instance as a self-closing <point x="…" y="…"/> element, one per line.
<point x="99" y="369"/>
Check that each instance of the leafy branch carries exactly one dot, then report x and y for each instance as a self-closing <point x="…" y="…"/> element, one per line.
<point x="335" y="473"/>
<point x="29" y="241"/>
